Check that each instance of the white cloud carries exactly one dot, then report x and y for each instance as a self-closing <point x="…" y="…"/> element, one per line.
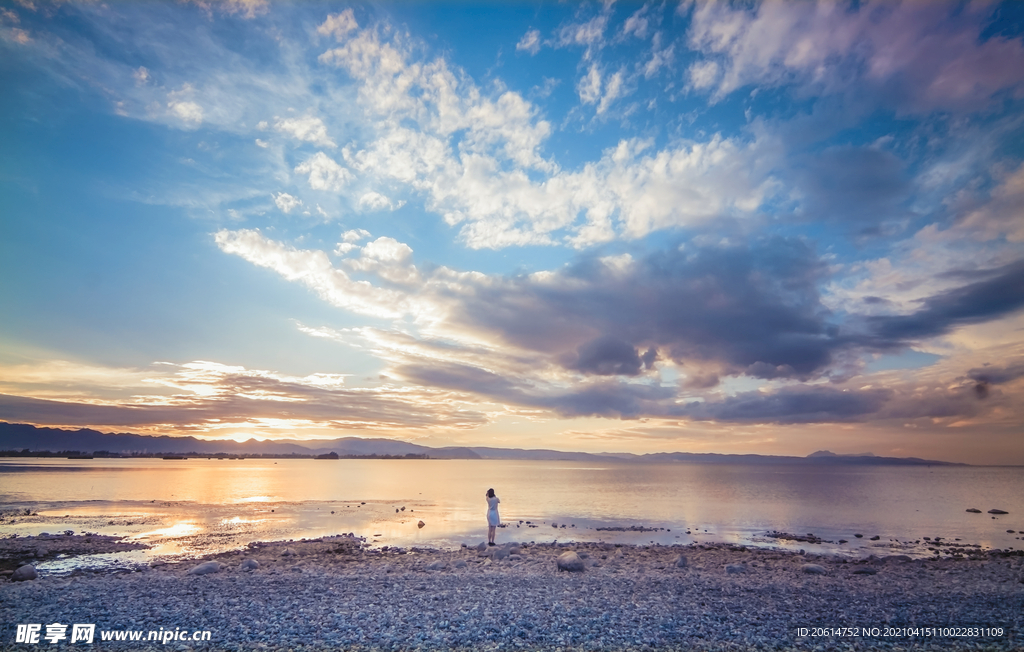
<point x="612" y="91"/>
<point x="141" y="75"/>
<point x="387" y="249"/>
<point x="703" y="74"/>
<point x="637" y="24"/>
<point x="324" y="173"/>
<point x="309" y="129"/>
<point x="286" y="202"/>
<point x="374" y="201"/>
<point x="338" y="25"/>
<point x="659" y="59"/>
<point x="262" y="143"/>
<point x="589" y="86"/>
<point x="187" y="111"/>
<point x="355" y="235"/>
<point x="247" y="8"/>
<point x="589" y="34"/>
<point x="530" y="42"/>
<point x="314" y="270"/>
<point x="182" y="107"/>
<point x="478" y="160"/>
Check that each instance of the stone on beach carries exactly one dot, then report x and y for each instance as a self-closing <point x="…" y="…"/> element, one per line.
<point x="289" y="552"/>
<point x="420" y="524"/>
<point x="733" y="569"/>
<point x="866" y="570"/>
<point x="249" y="565"/>
<point x="813" y="569"/>
<point x="570" y="561"/>
<point x="436" y="566"/>
<point x="205" y="568"/>
<point x="24" y="573"/>
<point x="680" y="561"/>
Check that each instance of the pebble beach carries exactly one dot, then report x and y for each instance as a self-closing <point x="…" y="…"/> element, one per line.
<point x="338" y="593"/>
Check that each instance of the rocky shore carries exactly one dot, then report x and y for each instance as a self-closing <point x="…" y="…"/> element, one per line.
<point x="336" y="593"/>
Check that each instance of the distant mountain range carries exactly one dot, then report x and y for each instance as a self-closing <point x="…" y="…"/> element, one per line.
<point x="18" y="437"/>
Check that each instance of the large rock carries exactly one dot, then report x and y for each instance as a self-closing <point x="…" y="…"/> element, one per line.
<point x="570" y="561"/>
<point x="680" y="561"/>
<point x="24" y="573"/>
<point x="482" y="546"/>
<point x="205" y="568"/>
<point x="499" y="554"/>
<point x="813" y="569"/>
<point x="249" y="565"/>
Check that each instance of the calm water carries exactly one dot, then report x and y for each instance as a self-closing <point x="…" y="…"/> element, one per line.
<point x="192" y="506"/>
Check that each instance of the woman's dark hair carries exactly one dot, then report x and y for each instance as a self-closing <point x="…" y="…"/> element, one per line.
<point x="490" y="493"/>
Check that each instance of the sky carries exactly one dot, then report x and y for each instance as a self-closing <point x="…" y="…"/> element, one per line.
<point x="767" y="228"/>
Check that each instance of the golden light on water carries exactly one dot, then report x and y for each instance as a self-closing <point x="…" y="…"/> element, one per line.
<point x="179" y="529"/>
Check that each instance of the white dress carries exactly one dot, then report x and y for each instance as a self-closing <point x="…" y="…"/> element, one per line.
<point x="492" y="512"/>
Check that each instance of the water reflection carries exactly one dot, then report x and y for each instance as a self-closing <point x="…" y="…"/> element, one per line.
<point x="198" y="505"/>
<point x="181" y="529"/>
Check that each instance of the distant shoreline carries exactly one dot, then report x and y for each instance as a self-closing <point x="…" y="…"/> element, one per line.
<point x="27" y="438"/>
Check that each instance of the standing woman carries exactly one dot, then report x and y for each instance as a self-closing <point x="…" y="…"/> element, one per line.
<point x="492" y="516"/>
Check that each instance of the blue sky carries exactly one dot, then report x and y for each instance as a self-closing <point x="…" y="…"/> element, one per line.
<point x="742" y="228"/>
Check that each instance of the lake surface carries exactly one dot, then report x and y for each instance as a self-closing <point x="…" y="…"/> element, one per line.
<point x="199" y="505"/>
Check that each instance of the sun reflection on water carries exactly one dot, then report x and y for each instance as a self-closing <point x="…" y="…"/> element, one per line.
<point x="179" y="529"/>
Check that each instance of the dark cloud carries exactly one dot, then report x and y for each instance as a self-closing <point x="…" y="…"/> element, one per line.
<point x="748" y="308"/>
<point x="608" y="398"/>
<point x="716" y="311"/>
<point x="460" y="377"/>
<point x="986" y="376"/>
<point x="863" y="185"/>
<point x="975" y="303"/>
<point x="607" y="356"/>
<point x="793" y="405"/>
<point x="997" y="375"/>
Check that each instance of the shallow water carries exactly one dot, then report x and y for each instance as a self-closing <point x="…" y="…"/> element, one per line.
<point x="191" y="507"/>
